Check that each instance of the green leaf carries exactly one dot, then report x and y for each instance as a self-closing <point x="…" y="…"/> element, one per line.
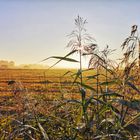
<point x="86" y="86"/>
<point x="108" y="83"/>
<point x="133" y="86"/>
<point x="89" y="101"/>
<point x="99" y="58"/>
<point x="68" y="72"/>
<point x="134" y="104"/>
<point x="132" y="120"/>
<point x="78" y="73"/>
<point x="62" y="58"/>
<point x="111" y="94"/>
<point x="107" y="104"/>
<point x="109" y="70"/>
<point x="92" y="76"/>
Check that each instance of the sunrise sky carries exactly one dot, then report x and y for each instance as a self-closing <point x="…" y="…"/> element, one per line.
<point x="31" y="30"/>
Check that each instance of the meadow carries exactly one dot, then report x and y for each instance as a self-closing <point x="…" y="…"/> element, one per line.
<point x="47" y="104"/>
<point x="101" y="102"/>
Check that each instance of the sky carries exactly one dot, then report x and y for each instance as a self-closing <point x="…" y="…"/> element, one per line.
<point x="31" y="30"/>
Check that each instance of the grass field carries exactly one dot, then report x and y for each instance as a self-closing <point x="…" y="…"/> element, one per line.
<point x="48" y="104"/>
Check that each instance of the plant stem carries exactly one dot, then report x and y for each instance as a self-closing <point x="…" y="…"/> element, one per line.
<point x="97" y="90"/>
<point x="139" y="53"/>
<point x="106" y="73"/>
<point x="81" y="75"/>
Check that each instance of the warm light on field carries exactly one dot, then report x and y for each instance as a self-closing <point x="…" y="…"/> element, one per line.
<point x="69" y="70"/>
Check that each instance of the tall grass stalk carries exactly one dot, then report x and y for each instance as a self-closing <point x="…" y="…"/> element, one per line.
<point x="81" y="42"/>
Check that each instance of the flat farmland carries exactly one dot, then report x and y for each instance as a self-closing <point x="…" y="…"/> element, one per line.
<point x="35" y="104"/>
<point x="39" y="80"/>
<point x="47" y="81"/>
<point x="40" y="84"/>
<point x="53" y="82"/>
<point x="32" y="82"/>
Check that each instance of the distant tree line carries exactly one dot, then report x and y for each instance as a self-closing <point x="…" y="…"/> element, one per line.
<point x="4" y="64"/>
<point x="7" y="64"/>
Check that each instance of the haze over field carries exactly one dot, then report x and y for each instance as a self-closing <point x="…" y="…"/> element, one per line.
<point x="12" y="65"/>
<point x="33" y="30"/>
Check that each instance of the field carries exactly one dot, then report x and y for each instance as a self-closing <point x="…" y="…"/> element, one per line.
<point x="50" y="83"/>
<point x="34" y="81"/>
<point x="48" y="104"/>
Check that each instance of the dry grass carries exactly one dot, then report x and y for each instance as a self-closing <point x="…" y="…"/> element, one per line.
<point x="56" y="100"/>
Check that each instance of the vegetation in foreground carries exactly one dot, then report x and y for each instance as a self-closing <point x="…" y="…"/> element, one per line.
<point x="106" y="105"/>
